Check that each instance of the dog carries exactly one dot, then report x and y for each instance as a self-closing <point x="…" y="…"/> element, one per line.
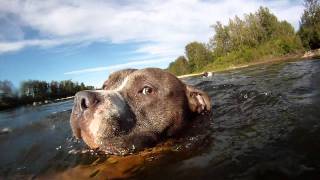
<point x="135" y="109"/>
<point x="207" y="74"/>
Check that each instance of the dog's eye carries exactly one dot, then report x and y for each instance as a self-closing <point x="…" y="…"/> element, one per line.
<point x="147" y="90"/>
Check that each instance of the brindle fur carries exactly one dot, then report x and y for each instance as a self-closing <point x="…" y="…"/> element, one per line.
<point x="120" y="119"/>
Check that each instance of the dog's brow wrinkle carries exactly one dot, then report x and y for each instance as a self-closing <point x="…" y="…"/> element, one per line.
<point x="122" y="85"/>
<point x="119" y="95"/>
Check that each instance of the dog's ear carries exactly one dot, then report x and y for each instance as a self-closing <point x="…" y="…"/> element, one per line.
<point x="198" y="100"/>
<point x="116" y="77"/>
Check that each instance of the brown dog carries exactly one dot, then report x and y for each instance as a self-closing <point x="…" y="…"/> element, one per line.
<point x="135" y="109"/>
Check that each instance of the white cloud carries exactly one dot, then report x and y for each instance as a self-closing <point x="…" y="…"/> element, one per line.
<point x="43" y="43"/>
<point x="14" y="46"/>
<point x="166" y="26"/>
<point x="119" y="66"/>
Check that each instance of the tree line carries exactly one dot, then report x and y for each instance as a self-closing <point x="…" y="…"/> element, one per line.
<point x="255" y="37"/>
<point x="37" y="91"/>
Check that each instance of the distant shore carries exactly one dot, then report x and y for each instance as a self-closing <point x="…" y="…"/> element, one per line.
<point x="307" y="55"/>
<point x="50" y="101"/>
<point x="35" y="103"/>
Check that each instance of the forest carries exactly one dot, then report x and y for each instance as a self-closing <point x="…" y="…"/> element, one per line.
<point x="255" y="37"/>
<point x="37" y="91"/>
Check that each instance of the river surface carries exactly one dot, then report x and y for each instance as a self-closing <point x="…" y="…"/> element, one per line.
<point x="265" y="125"/>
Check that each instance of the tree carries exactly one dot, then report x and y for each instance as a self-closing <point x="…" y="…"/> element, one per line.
<point x="255" y="30"/>
<point x="54" y="89"/>
<point x="257" y="36"/>
<point x="8" y="97"/>
<point x="198" y="55"/>
<point x="67" y="88"/>
<point x="180" y="66"/>
<point x="82" y="87"/>
<point x="268" y="22"/>
<point x="43" y="89"/>
<point x="35" y="90"/>
<point x="26" y="88"/>
<point x="221" y="40"/>
<point x="310" y="25"/>
<point x="6" y="88"/>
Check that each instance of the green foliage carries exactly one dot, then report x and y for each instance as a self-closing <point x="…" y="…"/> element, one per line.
<point x="254" y="30"/>
<point x="198" y="55"/>
<point x="37" y="89"/>
<point x="42" y="90"/>
<point x="257" y="36"/>
<point x="180" y="66"/>
<point x="221" y="40"/>
<point x="310" y="25"/>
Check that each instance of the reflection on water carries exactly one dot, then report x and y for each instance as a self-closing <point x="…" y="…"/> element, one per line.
<point x="265" y="124"/>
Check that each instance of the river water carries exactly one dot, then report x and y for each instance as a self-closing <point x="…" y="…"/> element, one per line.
<point x="265" y="125"/>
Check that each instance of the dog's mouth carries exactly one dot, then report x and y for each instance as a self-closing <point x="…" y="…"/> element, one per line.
<point x="116" y="145"/>
<point x="86" y="137"/>
<point x="105" y="130"/>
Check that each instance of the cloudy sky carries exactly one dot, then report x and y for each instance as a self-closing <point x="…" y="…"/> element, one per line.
<point x="86" y="40"/>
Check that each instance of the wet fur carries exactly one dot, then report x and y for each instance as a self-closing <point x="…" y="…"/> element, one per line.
<point x="125" y="120"/>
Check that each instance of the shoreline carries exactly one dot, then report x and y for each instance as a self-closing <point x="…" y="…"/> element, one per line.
<point x="48" y="101"/>
<point x="38" y="103"/>
<point x="313" y="54"/>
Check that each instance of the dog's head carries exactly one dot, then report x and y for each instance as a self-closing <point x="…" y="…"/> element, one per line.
<point x="135" y="109"/>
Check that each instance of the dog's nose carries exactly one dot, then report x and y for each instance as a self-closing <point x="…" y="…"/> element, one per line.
<point x="86" y="99"/>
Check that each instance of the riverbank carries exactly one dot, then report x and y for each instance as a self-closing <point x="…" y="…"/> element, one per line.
<point x="33" y="103"/>
<point x="51" y="101"/>
<point x="314" y="54"/>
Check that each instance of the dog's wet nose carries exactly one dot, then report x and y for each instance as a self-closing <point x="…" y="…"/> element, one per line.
<point x="86" y="99"/>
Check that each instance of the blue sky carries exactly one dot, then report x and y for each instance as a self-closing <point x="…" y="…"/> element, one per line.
<point x="86" y="40"/>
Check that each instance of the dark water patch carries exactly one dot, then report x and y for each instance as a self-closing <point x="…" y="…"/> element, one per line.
<point x="265" y="125"/>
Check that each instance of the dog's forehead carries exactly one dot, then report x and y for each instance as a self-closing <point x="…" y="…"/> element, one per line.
<point x="152" y="73"/>
<point x="154" y="76"/>
<point x="116" y="78"/>
<point x="122" y="78"/>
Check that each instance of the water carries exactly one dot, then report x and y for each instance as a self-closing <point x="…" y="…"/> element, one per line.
<point x="265" y="125"/>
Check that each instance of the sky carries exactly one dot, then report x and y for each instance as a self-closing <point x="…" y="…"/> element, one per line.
<point x="85" y="41"/>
